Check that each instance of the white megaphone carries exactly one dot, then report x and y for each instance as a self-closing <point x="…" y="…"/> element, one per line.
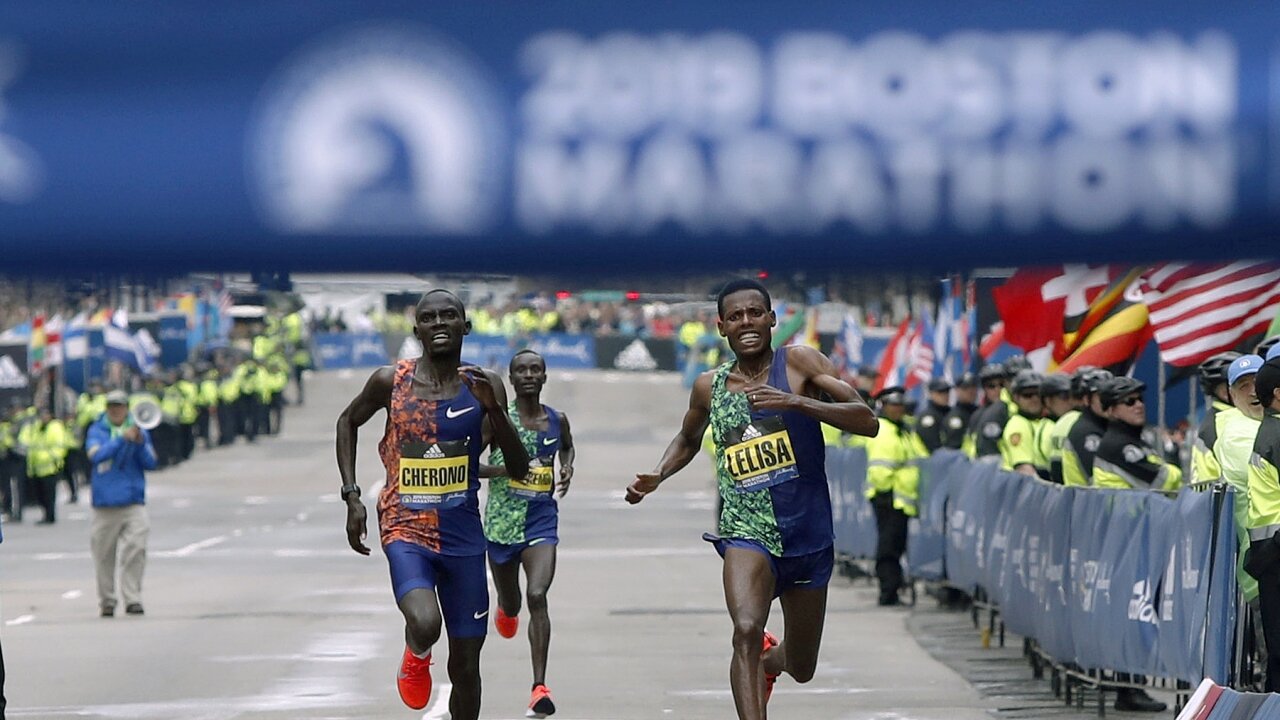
<point x="147" y="414"/>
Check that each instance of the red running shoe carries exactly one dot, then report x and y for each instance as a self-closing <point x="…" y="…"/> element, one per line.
<point x="770" y="641"/>
<point x="414" y="680"/>
<point x="505" y="624"/>
<point x="540" y="704"/>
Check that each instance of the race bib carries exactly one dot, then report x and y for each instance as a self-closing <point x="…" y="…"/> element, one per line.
<point x="538" y="483"/>
<point x="760" y="455"/>
<point x="434" y="475"/>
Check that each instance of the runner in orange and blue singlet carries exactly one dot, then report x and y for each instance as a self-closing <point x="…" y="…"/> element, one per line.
<point x="441" y="415"/>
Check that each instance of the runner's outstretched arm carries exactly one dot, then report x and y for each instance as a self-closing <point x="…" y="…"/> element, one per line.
<point x="489" y="391"/>
<point x="824" y="397"/>
<point x="684" y="447"/>
<point x="375" y="396"/>
<point x="568" y="454"/>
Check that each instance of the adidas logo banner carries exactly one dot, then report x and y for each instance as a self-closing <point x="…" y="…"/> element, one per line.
<point x="14" y="381"/>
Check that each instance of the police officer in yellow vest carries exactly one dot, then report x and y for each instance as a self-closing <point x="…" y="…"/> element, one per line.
<point x="46" y="444"/>
<point x="1019" y="441"/>
<point x="1262" y="560"/>
<point x="1236" y="431"/>
<point x="987" y="424"/>
<point x="1123" y="461"/>
<point x="1213" y="380"/>
<point x="1062" y="426"/>
<point x="228" y="406"/>
<point x="1086" y="433"/>
<point x="893" y="479"/>
<point x="206" y="406"/>
<point x="189" y="412"/>
<point x="12" y="465"/>
<point x="1055" y="395"/>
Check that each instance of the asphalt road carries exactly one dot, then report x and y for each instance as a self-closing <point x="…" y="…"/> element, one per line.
<point x="255" y="607"/>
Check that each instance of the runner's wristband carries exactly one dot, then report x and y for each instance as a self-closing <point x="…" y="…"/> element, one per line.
<point x="347" y="489"/>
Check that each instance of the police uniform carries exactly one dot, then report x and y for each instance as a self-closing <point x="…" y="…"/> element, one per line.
<point x="1262" y="560"/>
<point x="893" y="478"/>
<point x="932" y="422"/>
<point x="1213" y="373"/>
<point x="1123" y="460"/>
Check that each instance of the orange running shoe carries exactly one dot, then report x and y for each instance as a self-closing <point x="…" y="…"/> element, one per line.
<point x="505" y="624"/>
<point x="540" y="704"/>
<point x="414" y="680"/>
<point x="770" y="641"/>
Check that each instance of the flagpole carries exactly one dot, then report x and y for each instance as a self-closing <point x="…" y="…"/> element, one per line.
<point x="1160" y="380"/>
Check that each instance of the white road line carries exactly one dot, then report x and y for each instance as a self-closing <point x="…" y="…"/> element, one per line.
<point x="72" y="594"/>
<point x="20" y="620"/>
<point x="255" y="500"/>
<point x="194" y="547"/>
<point x="439" y="709"/>
<point x="181" y="503"/>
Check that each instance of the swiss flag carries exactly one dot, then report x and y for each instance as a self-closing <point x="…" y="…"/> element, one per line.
<point x="1033" y="302"/>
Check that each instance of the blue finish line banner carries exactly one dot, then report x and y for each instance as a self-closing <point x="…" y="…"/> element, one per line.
<point x="1107" y="579"/>
<point x="397" y="135"/>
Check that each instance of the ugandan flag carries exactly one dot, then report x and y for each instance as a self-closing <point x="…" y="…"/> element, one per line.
<point x="1110" y="332"/>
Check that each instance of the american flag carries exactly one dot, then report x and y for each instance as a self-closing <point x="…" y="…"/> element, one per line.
<point x="1199" y="310"/>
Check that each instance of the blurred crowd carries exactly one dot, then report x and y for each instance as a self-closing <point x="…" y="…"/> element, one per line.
<point x="220" y="395"/>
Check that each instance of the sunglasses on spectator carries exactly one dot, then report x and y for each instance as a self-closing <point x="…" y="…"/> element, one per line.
<point x="1130" y="402"/>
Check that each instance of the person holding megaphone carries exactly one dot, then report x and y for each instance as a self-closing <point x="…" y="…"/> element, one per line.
<point x="121" y="452"/>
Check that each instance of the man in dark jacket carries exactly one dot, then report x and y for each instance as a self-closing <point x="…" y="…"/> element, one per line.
<point x="930" y="424"/>
<point x="121" y="452"/>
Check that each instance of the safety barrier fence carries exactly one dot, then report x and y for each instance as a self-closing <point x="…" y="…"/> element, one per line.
<point x="1102" y="581"/>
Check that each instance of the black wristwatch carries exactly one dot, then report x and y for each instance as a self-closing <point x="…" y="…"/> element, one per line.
<point x="348" y="489"/>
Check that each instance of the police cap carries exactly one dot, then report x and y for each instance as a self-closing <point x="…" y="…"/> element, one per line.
<point x="1119" y="388"/>
<point x="1055" y="384"/>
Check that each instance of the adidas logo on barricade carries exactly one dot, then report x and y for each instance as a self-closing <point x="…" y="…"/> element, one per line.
<point x="11" y="376"/>
<point x="433" y="452"/>
<point x="635" y="357"/>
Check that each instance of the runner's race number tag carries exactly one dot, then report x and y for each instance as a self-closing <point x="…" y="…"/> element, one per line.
<point x="539" y="482"/>
<point x="759" y="455"/>
<point x="434" y="475"/>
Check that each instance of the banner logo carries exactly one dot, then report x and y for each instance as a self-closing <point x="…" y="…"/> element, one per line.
<point x="11" y="376"/>
<point x="383" y="129"/>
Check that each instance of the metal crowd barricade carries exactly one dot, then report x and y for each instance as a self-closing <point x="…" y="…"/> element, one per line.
<point x="1108" y="587"/>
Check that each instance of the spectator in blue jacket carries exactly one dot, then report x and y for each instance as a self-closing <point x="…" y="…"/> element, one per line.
<point x="120" y="452"/>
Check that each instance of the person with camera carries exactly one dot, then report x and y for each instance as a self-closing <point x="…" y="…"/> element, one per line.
<point x="121" y="453"/>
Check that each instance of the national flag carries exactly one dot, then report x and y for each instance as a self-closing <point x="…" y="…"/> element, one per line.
<point x="950" y="337"/>
<point x="1033" y="302"/>
<point x="921" y="353"/>
<point x="146" y="351"/>
<point x="119" y="345"/>
<point x="847" y="354"/>
<point x="1078" y="312"/>
<point x="992" y="341"/>
<point x="36" y="346"/>
<point x="807" y="333"/>
<point x="1199" y="310"/>
<point x="895" y="359"/>
<point x="789" y="325"/>
<point x="120" y="318"/>
<point x="1110" y="332"/>
<point x="53" y="341"/>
